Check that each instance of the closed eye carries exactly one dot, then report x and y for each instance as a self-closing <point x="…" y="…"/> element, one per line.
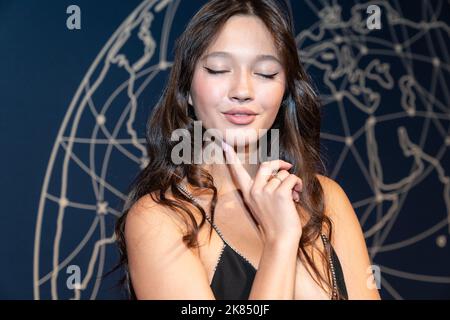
<point x="267" y="76"/>
<point x="214" y="71"/>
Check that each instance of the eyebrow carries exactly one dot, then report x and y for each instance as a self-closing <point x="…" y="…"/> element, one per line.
<point x="259" y="57"/>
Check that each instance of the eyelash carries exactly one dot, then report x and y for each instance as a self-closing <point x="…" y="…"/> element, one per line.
<point x="271" y="76"/>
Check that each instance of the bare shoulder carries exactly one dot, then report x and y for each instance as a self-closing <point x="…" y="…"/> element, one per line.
<point x="333" y="192"/>
<point x="337" y="203"/>
<point x="338" y="206"/>
<point x="159" y="259"/>
<point x="146" y="213"/>
<point x="348" y="241"/>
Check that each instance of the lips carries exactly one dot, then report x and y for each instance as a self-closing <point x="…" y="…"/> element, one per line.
<point x="240" y="118"/>
<point x="240" y="115"/>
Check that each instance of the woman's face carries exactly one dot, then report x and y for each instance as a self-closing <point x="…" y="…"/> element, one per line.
<point x="251" y="80"/>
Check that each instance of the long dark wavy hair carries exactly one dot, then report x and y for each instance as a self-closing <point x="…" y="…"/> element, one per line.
<point x="298" y="120"/>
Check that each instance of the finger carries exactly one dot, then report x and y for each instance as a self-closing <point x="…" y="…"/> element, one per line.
<point x="295" y="196"/>
<point x="289" y="183"/>
<point x="266" y="169"/>
<point x="299" y="186"/>
<point x="274" y="182"/>
<point x="237" y="170"/>
<point x="297" y="189"/>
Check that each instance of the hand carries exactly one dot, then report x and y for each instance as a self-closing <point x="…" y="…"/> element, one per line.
<point x="271" y="201"/>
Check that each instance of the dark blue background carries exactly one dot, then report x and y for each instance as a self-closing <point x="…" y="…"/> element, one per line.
<point x="42" y="64"/>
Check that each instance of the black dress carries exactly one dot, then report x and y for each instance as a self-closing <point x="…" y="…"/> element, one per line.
<point x="234" y="274"/>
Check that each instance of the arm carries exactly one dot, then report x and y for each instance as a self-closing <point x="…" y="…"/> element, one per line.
<point x="275" y="278"/>
<point x="348" y="241"/>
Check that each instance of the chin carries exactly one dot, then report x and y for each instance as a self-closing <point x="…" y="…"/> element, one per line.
<point x="238" y="136"/>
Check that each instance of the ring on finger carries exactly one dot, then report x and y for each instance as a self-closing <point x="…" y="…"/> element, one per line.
<point x="274" y="174"/>
<point x="277" y="177"/>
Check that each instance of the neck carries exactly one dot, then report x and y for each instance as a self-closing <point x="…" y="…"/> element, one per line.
<point x="223" y="178"/>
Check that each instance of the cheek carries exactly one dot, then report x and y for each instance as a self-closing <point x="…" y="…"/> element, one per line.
<point x="270" y="100"/>
<point x="207" y="95"/>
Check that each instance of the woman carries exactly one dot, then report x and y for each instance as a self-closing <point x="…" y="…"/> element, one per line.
<point x="276" y="229"/>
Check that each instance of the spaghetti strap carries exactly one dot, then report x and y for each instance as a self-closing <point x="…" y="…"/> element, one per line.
<point x="336" y="269"/>
<point x="226" y="242"/>
<point x="233" y="273"/>
<point x="213" y="225"/>
<point x="189" y="195"/>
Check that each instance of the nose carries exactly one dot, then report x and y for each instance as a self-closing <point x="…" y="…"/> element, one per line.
<point x="242" y="88"/>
